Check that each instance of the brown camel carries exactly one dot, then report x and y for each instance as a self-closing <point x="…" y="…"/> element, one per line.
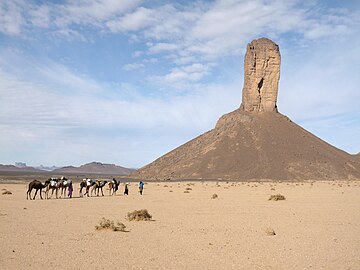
<point x="35" y="184"/>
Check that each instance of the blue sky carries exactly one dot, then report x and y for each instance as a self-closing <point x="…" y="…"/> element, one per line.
<point x="125" y="81"/>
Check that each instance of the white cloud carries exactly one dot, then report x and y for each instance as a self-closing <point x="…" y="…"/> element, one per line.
<point x="11" y="19"/>
<point x="133" y="66"/>
<point x="69" y="34"/>
<point x="163" y="47"/>
<point x="40" y="16"/>
<point x="139" y="19"/>
<point x="92" y="12"/>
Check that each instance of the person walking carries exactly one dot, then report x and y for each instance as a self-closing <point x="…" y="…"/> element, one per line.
<point x="126" y="191"/>
<point x="141" y="187"/>
<point x="70" y="190"/>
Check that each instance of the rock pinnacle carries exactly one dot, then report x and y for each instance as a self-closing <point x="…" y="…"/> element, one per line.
<point x="261" y="76"/>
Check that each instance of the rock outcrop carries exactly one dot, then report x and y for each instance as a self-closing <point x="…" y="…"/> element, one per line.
<point x="261" y="76"/>
<point x="253" y="142"/>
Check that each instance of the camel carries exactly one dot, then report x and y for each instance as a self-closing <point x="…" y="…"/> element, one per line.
<point x="63" y="185"/>
<point x="113" y="186"/>
<point x="35" y="184"/>
<point x="86" y="183"/>
<point x="99" y="186"/>
<point x="53" y="184"/>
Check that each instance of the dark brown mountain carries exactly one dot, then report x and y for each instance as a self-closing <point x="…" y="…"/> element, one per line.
<point x="255" y="142"/>
<point x="245" y="146"/>
<point x="96" y="168"/>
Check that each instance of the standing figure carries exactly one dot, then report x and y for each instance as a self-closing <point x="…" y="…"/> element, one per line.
<point x="126" y="191"/>
<point x="141" y="187"/>
<point x="70" y="189"/>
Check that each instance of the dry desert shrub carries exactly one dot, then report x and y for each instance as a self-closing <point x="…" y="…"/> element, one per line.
<point x="188" y="188"/>
<point x="214" y="196"/>
<point x="6" y="192"/>
<point x="272" y="188"/>
<point x="107" y="224"/>
<point x="277" y="197"/>
<point x="186" y="191"/>
<point x="270" y="231"/>
<point x="139" y="215"/>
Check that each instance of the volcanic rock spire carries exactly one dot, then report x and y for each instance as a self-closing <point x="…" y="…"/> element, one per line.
<point x="261" y="76"/>
<point x="249" y="144"/>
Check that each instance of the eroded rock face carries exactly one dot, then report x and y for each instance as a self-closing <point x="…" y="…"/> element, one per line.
<point x="261" y="76"/>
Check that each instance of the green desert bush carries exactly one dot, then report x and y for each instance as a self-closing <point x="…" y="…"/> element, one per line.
<point x="139" y="215"/>
<point x="107" y="224"/>
<point x="277" y="197"/>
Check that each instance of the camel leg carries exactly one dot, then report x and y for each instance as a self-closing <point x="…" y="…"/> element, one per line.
<point x="27" y="194"/>
<point x="40" y="193"/>
<point x="102" y="191"/>
<point x="35" y="194"/>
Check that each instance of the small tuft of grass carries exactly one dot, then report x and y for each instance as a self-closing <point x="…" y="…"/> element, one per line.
<point x="214" y="196"/>
<point x="107" y="224"/>
<point x="139" y="215"/>
<point x="277" y="197"/>
<point x="270" y="231"/>
<point x="6" y="192"/>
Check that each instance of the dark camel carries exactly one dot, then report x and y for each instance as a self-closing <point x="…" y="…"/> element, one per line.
<point x="99" y="186"/>
<point x="113" y="186"/>
<point x="35" y="184"/>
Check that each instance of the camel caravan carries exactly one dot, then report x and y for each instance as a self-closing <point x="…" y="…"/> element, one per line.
<point x="54" y="185"/>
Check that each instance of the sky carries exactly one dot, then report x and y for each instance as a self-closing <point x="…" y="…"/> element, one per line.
<point x="125" y="81"/>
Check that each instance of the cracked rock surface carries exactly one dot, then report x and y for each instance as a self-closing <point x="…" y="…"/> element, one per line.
<point x="261" y="76"/>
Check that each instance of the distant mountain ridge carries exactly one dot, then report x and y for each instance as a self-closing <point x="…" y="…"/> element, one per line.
<point x="93" y="168"/>
<point x="96" y="168"/>
<point x="13" y="168"/>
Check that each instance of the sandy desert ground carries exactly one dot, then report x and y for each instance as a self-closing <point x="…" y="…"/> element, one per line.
<point x="317" y="227"/>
